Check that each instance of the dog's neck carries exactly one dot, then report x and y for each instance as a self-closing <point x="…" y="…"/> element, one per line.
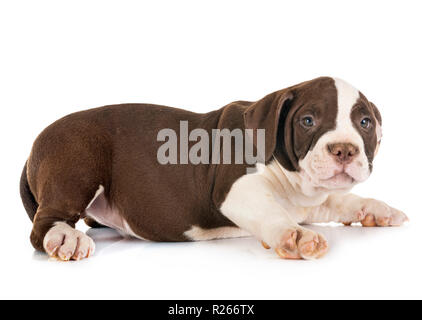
<point x="296" y="187"/>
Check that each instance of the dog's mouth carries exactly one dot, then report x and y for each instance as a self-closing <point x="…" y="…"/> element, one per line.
<point x="340" y="179"/>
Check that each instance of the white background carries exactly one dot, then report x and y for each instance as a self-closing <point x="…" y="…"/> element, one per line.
<point x="59" y="57"/>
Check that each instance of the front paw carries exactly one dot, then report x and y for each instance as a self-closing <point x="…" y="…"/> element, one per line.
<point x="299" y="243"/>
<point x="377" y="213"/>
<point x="65" y="243"/>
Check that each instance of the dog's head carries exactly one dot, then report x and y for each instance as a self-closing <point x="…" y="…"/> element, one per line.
<point x="324" y="129"/>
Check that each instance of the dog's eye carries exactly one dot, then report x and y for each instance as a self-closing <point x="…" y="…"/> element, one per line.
<point x="365" y="123"/>
<point x="308" y="121"/>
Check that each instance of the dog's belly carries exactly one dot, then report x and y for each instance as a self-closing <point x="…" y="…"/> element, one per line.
<point x="100" y="210"/>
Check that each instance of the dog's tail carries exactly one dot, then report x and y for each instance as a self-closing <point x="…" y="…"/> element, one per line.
<point x="28" y="199"/>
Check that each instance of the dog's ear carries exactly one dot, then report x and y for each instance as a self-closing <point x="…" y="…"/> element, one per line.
<point x="377" y="113"/>
<point x="265" y="114"/>
<point x="378" y="128"/>
<point x="379" y="120"/>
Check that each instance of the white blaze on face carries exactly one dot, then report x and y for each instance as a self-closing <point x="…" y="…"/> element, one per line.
<point x="319" y="167"/>
<point x="346" y="98"/>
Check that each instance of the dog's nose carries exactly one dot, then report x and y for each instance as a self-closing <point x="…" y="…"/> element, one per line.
<point x="343" y="152"/>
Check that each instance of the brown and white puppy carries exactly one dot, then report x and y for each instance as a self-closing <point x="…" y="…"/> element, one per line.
<point x="321" y="137"/>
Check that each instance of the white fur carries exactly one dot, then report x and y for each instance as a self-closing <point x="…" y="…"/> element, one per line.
<point x="97" y="193"/>
<point x="274" y="200"/>
<point x="252" y="204"/>
<point x="65" y="243"/>
<point x="198" y="233"/>
<point x="347" y="96"/>
<point x="350" y="208"/>
<point x="100" y="210"/>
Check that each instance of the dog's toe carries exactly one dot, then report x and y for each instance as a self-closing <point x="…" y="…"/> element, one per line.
<point x="301" y="244"/>
<point x="65" y="243"/>
<point x="377" y="213"/>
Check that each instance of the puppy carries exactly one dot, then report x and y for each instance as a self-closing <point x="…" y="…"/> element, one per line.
<point x="114" y="166"/>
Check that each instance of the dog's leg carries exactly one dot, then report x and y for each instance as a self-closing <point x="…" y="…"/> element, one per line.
<point x="251" y="205"/>
<point x="350" y="208"/>
<point x="62" y="197"/>
<point x="53" y="231"/>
